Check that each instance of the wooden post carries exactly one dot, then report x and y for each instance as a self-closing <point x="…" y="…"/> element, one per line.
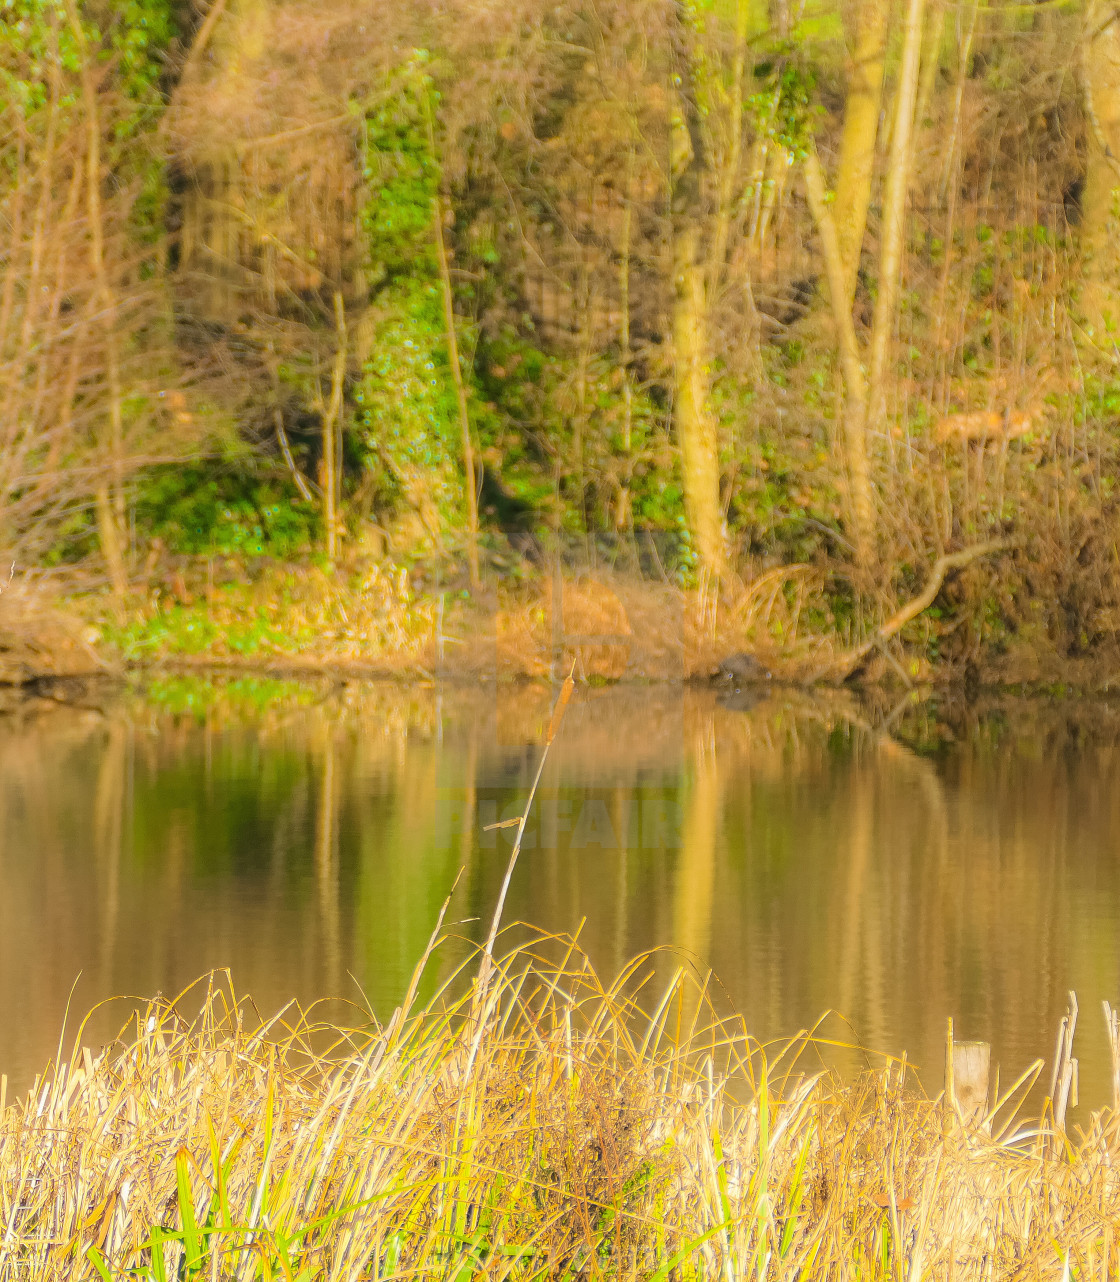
<point x="967" y="1074"/>
<point x="971" y="1068"/>
<point x="1063" y="1078"/>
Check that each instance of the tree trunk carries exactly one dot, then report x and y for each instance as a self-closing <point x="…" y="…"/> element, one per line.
<point x="931" y="62"/>
<point x="623" y="517"/>
<point x="696" y="430"/>
<point x="857" y="142"/>
<point x="1100" y="227"/>
<point x="894" y="212"/>
<point x="110" y="502"/>
<point x="732" y="160"/>
<point x="861" y="496"/>
<point x="330" y="418"/>
<point x="109" y="538"/>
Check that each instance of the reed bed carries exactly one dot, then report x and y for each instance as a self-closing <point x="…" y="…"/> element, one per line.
<point x="541" y="1124"/>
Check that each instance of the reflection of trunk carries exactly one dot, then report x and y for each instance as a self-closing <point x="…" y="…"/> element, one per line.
<point x="108" y="829"/>
<point x="857" y="142"/>
<point x="696" y="430"/>
<point x="326" y="866"/>
<point x="1100" y="231"/>
<point x="620" y="821"/>
<point x="692" y="915"/>
<point x="467" y="833"/>
<point x="853" y="924"/>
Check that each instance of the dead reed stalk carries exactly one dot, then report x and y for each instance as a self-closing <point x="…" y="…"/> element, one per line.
<point x="594" y="1134"/>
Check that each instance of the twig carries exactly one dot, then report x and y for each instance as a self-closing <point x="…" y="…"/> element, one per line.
<point x="202" y="38"/>
<point x="847" y="662"/>
<point x="297" y="476"/>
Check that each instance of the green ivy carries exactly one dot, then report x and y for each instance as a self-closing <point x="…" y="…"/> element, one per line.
<point x="782" y="104"/>
<point x="407" y="408"/>
<point x="133" y="35"/>
<point x="36" y="36"/>
<point x="219" y="511"/>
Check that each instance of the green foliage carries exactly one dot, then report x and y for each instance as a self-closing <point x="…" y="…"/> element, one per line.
<point x="407" y="408"/>
<point x="33" y="33"/>
<point x="782" y="104"/>
<point x="36" y="39"/>
<point x="215" y="510"/>
<point x="192" y="629"/>
<point x="137" y="32"/>
<point x="74" y="539"/>
<point x="590" y="450"/>
<point x="133" y="35"/>
<point x="406" y="401"/>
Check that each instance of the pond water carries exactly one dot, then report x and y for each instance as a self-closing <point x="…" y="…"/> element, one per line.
<point x="899" y="867"/>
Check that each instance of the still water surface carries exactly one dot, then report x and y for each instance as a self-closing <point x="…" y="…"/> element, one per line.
<point x="961" y="862"/>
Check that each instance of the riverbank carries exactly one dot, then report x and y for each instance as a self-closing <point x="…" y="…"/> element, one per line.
<point x="544" y="1125"/>
<point x="375" y="619"/>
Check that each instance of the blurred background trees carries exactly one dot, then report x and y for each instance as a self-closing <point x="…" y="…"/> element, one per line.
<point x="825" y="285"/>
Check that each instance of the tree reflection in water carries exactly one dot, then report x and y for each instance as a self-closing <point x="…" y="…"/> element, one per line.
<point x="961" y="863"/>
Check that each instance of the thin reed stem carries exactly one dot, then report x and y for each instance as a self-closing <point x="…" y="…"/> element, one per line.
<point x="487" y="962"/>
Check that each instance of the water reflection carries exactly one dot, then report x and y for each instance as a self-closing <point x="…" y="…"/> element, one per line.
<point x="958" y="864"/>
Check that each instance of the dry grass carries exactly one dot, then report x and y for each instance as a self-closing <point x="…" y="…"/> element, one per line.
<point x="38" y="636"/>
<point x="558" y="1129"/>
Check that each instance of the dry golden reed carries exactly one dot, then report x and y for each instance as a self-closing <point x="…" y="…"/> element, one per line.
<point x="574" y="1132"/>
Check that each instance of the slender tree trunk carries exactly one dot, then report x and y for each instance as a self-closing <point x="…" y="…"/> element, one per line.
<point x="1100" y="201"/>
<point x="109" y="497"/>
<point x="856" y="165"/>
<point x="964" y="53"/>
<point x="861" y="496"/>
<point x="109" y="537"/>
<point x="931" y="61"/>
<point x="696" y="430"/>
<point x="202" y="38"/>
<point x="894" y="212"/>
<point x="733" y="157"/>
<point x="623" y="517"/>
<point x="330" y="418"/>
